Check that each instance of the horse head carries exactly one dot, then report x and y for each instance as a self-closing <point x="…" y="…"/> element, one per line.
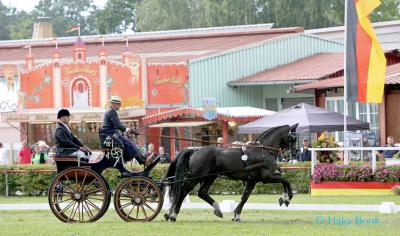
<point x="281" y="137"/>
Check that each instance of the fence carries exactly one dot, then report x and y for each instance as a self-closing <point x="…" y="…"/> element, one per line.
<point x="346" y="156"/>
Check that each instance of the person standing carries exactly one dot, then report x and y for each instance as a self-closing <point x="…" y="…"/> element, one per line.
<point x="4" y="160"/>
<point x="39" y="157"/>
<point x="25" y="154"/>
<point x="164" y="157"/>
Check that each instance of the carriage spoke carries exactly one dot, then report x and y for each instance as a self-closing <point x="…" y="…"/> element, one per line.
<point x="93" y="205"/>
<point x="148" y="206"/>
<point x="72" y="212"/>
<point x="76" y="180"/>
<point x="83" y="181"/>
<point x="129" y="213"/>
<point x="87" y="209"/>
<point x="67" y="207"/>
<point x="145" y="190"/>
<point x="137" y="213"/>
<point x="69" y="199"/>
<point x="93" y="198"/>
<point x="144" y="211"/>
<point x="125" y="205"/>
<point x="94" y="191"/>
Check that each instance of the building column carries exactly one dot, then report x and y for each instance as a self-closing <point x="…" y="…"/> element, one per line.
<point x="382" y="120"/>
<point x="103" y="83"/>
<point x="172" y="143"/>
<point x="57" y="87"/>
<point x="225" y="131"/>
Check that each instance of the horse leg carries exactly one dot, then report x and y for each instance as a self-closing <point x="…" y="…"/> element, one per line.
<point x="288" y="194"/>
<point x="246" y="193"/>
<point x="176" y="206"/>
<point x="203" y="194"/>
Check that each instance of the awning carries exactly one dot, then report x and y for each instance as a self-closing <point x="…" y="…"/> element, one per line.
<point x="181" y="124"/>
<point x="392" y="77"/>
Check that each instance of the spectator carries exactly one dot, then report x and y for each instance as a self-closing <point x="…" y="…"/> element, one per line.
<point x="150" y="155"/>
<point x="25" y="154"/>
<point x="39" y="156"/>
<point x="164" y="157"/>
<point x="304" y="154"/>
<point x="4" y="160"/>
<point x="220" y="142"/>
<point x="388" y="153"/>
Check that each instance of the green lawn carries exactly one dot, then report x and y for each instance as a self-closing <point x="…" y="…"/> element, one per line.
<point x="255" y="198"/>
<point x="202" y="222"/>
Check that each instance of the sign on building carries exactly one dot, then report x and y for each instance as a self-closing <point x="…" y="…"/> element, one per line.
<point x="209" y="108"/>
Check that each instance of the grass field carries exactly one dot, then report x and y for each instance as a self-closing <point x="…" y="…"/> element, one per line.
<point x="256" y="198"/>
<point x="202" y="222"/>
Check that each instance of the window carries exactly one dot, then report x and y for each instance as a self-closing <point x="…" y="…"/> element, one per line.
<point x="361" y="111"/>
<point x="271" y="104"/>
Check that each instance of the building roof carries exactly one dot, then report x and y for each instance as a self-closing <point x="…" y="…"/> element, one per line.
<point x="192" y="43"/>
<point x="223" y="113"/>
<point x="392" y="77"/>
<point x="303" y="70"/>
<point x="387" y="32"/>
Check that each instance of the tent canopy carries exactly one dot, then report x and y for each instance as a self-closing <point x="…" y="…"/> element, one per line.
<point x="310" y="118"/>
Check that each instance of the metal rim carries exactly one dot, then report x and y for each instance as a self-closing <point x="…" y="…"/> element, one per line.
<point x="138" y="199"/>
<point x="79" y="195"/>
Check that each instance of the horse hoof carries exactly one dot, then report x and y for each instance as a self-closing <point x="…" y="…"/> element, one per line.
<point x="172" y="219"/>
<point x="166" y="216"/>
<point x="218" y="213"/>
<point x="236" y="220"/>
<point x="287" y="203"/>
<point x="280" y="201"/>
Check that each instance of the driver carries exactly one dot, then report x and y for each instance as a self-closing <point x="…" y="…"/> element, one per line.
<point x="65" y="141"/>
<point x="112" y="125"/>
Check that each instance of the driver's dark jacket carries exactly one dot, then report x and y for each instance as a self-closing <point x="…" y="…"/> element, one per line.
<point x="65" y="141"/>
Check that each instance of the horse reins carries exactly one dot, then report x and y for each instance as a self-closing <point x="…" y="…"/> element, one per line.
<point x="211" y="142"/>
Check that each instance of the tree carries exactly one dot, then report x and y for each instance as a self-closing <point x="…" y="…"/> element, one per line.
<point x="22" y="27"/>
<point x="117" y="16"/>
<point x="163" y="15"/>
<point x="67" y="13"/>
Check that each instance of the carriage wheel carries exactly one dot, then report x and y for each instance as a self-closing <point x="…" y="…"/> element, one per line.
<point x="138" y="199"/>
<point x="79" y="195"/>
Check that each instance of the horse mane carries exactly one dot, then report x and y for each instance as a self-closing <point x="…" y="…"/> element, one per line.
<point x="268" y="132"/>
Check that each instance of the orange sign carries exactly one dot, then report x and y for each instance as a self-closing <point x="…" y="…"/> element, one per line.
<point x="167" y="84"/>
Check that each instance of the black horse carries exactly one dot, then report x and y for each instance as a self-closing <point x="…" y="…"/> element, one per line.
<point x="206" y="164"/>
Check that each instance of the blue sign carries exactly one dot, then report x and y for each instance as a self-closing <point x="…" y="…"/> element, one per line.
<point x="209" y="108"/>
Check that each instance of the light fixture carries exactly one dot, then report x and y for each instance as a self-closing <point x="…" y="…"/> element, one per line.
<point x="231" y="123"/>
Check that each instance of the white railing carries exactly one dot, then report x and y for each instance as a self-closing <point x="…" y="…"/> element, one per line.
<point x="346" y="157"/>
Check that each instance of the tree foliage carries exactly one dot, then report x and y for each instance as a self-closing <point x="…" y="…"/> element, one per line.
<point x="119" y="16"/>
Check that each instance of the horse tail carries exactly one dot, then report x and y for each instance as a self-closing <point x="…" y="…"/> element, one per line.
<point x="180" y="166"/>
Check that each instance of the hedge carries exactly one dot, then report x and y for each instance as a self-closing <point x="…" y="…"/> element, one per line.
<point x="31" y="183"/>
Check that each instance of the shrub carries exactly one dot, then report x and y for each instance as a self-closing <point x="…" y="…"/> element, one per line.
<point x="38" y="183"/>
<point x="326" y="141"/>
<point x="396" y="190"/>
<point x="353" y="173"/>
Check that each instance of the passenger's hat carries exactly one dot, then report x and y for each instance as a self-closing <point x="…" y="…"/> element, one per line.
<point x="62" y="112"/>
<point x="115" y="99"/>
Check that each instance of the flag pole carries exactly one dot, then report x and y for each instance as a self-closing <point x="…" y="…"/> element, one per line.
<point x="346" y="156"/>
<point x="79" y="30"/>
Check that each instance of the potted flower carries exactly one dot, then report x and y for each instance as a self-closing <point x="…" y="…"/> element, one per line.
<point x="326" y="141"/>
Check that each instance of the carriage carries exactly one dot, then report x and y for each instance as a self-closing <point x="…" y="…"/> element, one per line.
<point x="79" y="193"/>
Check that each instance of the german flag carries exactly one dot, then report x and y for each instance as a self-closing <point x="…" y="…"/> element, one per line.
<point x="365" y="60"/>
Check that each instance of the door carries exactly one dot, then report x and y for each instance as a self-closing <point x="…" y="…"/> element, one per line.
<point x="393" y="116"/>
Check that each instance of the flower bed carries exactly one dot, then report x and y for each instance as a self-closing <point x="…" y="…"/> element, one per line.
<point x="331" y="179"/>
